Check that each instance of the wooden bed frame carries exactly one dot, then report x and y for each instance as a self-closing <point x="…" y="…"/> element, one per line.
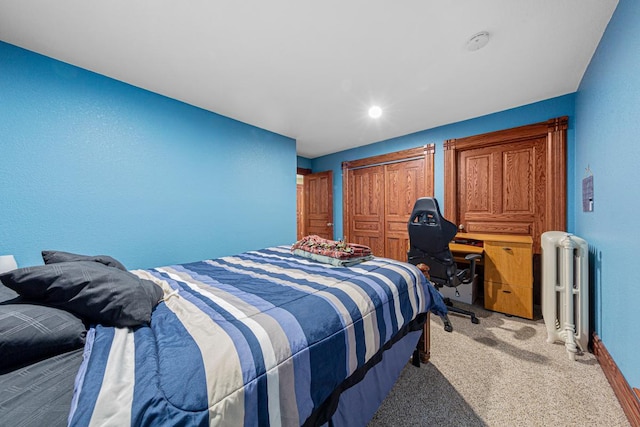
<point x="424" y="345"/>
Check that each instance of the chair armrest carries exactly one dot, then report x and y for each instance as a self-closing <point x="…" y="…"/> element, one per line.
<point x="472" y="258"/>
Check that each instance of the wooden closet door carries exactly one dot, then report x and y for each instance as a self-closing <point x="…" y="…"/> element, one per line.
<point x="366" y="190"/>
<point x="404" y="184"/>
<point x="378" y="196"/>
<point x="502" y="188"/>
<point x="511" y="181"/>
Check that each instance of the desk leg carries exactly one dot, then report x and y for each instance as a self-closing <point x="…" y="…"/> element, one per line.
<point x="424" y="345"/>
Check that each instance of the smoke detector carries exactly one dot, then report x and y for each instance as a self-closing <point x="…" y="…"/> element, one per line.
<point x="478" y="41"/>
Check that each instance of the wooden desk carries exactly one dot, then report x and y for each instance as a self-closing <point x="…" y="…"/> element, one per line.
<point x="508" y="270"/>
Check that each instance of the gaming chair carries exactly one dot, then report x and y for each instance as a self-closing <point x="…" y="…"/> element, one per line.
<point x="429" y="237"/>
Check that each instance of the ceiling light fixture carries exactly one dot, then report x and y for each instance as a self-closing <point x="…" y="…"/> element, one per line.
<point x="375" y="112"/>
<point x="478" y="41"/>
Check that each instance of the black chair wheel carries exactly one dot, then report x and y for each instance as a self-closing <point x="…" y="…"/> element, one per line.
<point x="475" y="320"/>
<point x="448" y="328"/>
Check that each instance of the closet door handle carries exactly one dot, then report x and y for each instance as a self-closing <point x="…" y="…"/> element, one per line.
<point x="329" y="224"/>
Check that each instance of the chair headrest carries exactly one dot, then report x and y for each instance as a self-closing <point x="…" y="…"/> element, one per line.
<point x="428" y="230"/>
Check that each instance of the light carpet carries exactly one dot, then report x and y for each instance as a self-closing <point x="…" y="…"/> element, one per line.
<point x="501" y="372"/>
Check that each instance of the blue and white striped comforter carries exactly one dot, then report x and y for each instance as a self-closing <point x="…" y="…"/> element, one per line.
<point x="261" y="338"/>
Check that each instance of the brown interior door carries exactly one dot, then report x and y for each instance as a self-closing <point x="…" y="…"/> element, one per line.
<point x="318" y="211"/>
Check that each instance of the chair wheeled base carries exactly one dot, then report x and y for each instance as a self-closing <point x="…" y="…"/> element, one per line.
<point x="454" y="309"/>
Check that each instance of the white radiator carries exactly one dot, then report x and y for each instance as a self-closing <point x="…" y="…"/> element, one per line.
<point x="565" y="290"/>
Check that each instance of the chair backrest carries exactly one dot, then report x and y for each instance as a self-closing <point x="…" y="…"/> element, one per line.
<point x="429" y="237"/>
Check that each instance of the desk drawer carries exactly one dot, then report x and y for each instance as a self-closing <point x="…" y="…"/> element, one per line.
<point x="508" y="262"/>
<point x="509" y="299"/>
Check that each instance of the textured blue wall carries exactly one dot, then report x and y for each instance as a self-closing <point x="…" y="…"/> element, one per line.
<point x="304" y="163"/>
<point x="607" y="135"/>
<point x="532" y="113"/>
<point x="92" y="165"/>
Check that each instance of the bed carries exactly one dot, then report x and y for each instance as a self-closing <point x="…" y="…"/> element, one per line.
<point x="264" y="337"/>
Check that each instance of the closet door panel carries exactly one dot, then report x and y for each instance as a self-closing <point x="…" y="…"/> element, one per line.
<point x="502" y="188"/>
<point x="367" y="215"/>
<point x="404" y="184"/>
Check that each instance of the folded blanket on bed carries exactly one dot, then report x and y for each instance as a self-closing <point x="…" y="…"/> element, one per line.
<point x="330" y="260"/>
<point x="337" y="249"/>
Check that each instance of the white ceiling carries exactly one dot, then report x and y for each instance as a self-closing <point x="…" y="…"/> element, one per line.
<point x="310" y="70"/>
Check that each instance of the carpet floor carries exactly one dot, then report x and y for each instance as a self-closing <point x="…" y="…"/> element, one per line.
<point x="501" y="372"/>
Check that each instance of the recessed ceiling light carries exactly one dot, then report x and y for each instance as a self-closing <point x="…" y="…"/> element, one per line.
<point x="478" y="41"/>
<point x="375" y="112"/>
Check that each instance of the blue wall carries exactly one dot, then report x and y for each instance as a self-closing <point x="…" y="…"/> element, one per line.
<point x="608" y="143"/>
<point x="92" y="165"/>
<point x="304" y="162"/>
<point x="532" y="113"/>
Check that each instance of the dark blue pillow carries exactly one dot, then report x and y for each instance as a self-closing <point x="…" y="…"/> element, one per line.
<point x="7" y="294"/>
<point x="91" y="290"/>
<point x="32" y="332"/>
<point x="52" y="257"/>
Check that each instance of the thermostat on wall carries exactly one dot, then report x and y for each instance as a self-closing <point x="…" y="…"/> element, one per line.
<point x="587" y="194"/>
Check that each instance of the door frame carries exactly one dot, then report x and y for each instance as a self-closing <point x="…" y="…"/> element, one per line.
<point x="426" y="152"/>
<point x="300" y="204"/>
<point x="555" y="132"/>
